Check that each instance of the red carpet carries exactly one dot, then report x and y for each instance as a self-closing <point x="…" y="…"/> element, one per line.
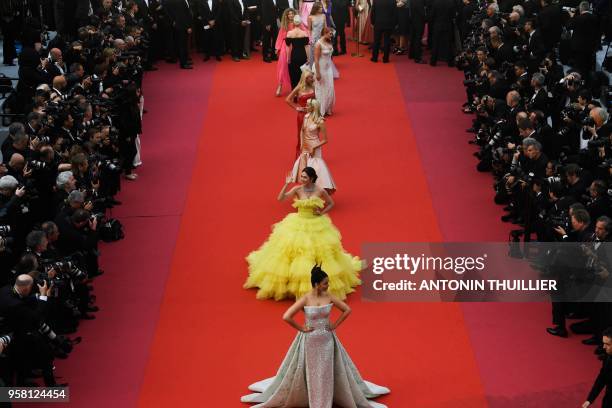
<point x="176" y="327"/>
<point x="214" y="338"/>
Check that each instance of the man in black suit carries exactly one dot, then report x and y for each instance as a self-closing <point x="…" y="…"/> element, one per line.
<point x="209" y="27"/>
<point x="417" y="27"/>
<point x="340" y="15"/>
<point x="384" y="20"/>
<point x="441" y="18"/>
<point x="550" y="22"/>
<point x="23" y="313"/>
<point x="585" y="39"/>
<point x="599" y="205"/>
<point x="148" y="13"/>
<point x="81" y="13"/>
<point x="534" y="49"/>
<point x="271" y="13"/>
<point x="10" y="24"/>
<point x="604" y="379"/>
<point x="181" y="19"/>
<point x="571" y="262"/>
<point x="239" y="21"/>
<point x="466" y="12"/>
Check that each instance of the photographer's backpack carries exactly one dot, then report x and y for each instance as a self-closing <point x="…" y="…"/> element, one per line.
<point x="111" y="230"/>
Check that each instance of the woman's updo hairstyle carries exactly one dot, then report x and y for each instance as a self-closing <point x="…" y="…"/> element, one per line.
<point x="311" y="173"/>
<point x="317" y="275"/>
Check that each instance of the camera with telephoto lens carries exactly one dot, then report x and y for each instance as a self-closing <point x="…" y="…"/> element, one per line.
<point x="37" y="165"/>
<point x="111" y="165"/>
<point x="576" y="83"/>
<point x="560" y="220"/>
<point x="99" y="217"/>
<point x="5" y="239"/>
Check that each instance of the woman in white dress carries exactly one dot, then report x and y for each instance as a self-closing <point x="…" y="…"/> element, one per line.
<point x="323" y="69"/>
<point x="312" y="138"/>
<point x="317" y="372"/>
<point x="316" y="23"/>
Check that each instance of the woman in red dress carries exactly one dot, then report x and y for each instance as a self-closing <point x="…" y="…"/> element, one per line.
<point x="298" y="98"/>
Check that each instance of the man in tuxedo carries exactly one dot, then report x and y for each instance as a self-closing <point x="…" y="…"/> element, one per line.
<point x="271" y="13"/>
<point x="604" y="379"/>
<point x="441" y="18"/>
<point x="209" y="27"/>
<point x="571" y="262"/>
<point x="585" y="39"/>
<point x="148" y="13"/>
<point x="384" y="20"/>
<point x="181" y="19"/>
<point x="340" y="15"/>
<point x="417" y="27"/>
<point x="10" y="23"/>
<point x="539" y="100"/>
<point x="534" y="49"/>
<point x="550" y="22"/>
<point x="82" y="12"/>
<point x="239" y="22"/>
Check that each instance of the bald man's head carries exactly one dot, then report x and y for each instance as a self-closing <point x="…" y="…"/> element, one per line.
<point x="56" y="54"/>
<point x="17" y="162"/>
<point x="23" y="284"/>
<point x="59" y="82"/>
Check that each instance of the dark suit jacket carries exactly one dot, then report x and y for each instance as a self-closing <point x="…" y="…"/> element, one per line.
<point x="270" y="12"/>
<point x="550" y="23"/>
<point x="22" y="315"/>
<point x="604" y="379"/>
<point x="384" y="14"/>
<point x="441" y="15"/>
<point x="585" y="35"/>
<point x="204" y="11"/>
<point x="235" y="13"/>
<point x="598" y="207"/>
<point x="540" y="101"/>
<point x="504" y="53"/>
<point x="466" y="13"/>
<point x="340" y="13"/>
<point x="535" y="46"/>
<point x="417" y="13"/>
<point x="179" y="14"/>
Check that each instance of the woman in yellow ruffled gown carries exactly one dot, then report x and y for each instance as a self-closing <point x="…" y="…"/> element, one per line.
<point x="281" y="267"/>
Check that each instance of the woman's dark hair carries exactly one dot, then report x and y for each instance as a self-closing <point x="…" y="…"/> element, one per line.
<point x="317" y="275"/>
<point x="311" y="173"/>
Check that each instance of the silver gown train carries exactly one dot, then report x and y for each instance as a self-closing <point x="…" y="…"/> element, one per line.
<point x="316" y="372"/>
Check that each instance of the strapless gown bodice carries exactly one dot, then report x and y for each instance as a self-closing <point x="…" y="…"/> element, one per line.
<point x="317" y="372"/>
<point x="306" y="206"/>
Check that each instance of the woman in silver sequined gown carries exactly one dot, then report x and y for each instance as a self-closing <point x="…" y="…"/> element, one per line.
<point x="317" y="372"/>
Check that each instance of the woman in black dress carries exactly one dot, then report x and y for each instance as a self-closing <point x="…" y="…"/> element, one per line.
<point x="297" y="40"/>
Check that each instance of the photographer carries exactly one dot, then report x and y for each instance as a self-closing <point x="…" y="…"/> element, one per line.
<point x="569" y="268"/>
<point x="585" y="38"/>
<point x="78" y="233"/>
<point x="33" y="339"/>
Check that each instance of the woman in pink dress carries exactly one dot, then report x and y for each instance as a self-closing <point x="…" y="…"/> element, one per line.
<point x="305" y="9"/>
<point x="282" y="67"/>
<point x="298" y="98"/>
<point x="312" y="139"/>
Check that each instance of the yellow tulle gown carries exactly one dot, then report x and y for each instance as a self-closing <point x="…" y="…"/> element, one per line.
<point x="281" y="267"/>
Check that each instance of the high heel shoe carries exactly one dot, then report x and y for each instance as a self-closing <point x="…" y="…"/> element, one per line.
<point x="278" y="90"/>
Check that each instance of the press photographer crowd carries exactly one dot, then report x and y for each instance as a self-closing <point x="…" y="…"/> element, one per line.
<point x="72" y="138"/>
<point x="541" y="124"/>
